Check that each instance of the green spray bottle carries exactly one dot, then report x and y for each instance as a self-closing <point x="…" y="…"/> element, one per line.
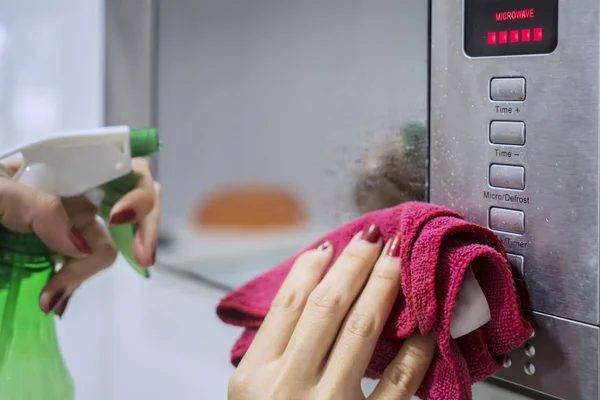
<point x="96" y="164"/>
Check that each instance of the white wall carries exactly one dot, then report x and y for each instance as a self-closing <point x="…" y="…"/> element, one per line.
<point x="51" y="66"/>
<point x="284" y="91"/>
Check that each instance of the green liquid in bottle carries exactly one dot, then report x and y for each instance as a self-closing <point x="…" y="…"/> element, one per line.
<point x="31" y="364"/>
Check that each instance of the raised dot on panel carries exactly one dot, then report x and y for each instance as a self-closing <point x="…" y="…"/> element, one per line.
<point x="529" y="350"/>
<point x="507" y="362"/>
<point x="529" y="368"/>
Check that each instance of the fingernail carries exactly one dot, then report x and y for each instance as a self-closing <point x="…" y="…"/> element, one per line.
<point x="79" y="241"/>
<point x="54" y="301"/>
<point x="60" y="310"/>
<point x="122" y="217"/>
<point x="394" y="248"/>
<point x="371" y="233"/>
<point x="324" y="246"/>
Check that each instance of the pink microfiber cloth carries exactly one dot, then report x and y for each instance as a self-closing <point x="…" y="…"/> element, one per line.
<point x="438" y="246"/>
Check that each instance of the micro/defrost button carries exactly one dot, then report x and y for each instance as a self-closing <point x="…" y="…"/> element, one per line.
<point x="505" y="220"/>
<point x="507" y="176"/>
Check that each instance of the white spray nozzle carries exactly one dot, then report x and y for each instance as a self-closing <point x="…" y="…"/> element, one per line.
<point x="73" y="163"/>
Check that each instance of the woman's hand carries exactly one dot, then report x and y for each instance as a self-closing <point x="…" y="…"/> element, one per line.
<point x="318" y="338"/>
<point x="70" y="227"/>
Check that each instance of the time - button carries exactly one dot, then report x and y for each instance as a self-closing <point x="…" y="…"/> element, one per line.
<point x="507" y="132"/>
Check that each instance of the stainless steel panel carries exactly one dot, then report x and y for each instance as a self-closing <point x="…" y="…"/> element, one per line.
<point x="507" y="89"/>
<point x="507" y="176"/>
<point x="560" y="156"/>
<point x="560" y="200"/>
<point x="563" y="357"/>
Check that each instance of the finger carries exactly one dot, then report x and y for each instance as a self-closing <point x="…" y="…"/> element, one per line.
<point x="26" y="209"/>
<point x="135" y="205"/>
<point x="144" y="246"/>
<point x="57" y="292"/>
<point x="402" y="378"/>
<point x="75" y="271"/>
<point x="80" y="210"/>
<point x="328" y="304"/>
<point x="12" y="166"/>
<point x="365" y="321"/>
<point x="273" y="336"/>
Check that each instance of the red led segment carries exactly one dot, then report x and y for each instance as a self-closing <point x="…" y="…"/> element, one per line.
<point x="503" y="37"/>
<point x="515" y="36"/>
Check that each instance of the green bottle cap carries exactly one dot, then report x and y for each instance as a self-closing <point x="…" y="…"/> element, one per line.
<point x="143" y="141"/>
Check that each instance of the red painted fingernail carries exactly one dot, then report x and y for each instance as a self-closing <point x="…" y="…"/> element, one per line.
<point x="79" y="242"/>
<point x="54" y="301"/>
<point x="60" y="310"/>
<point x="122" y="217"/>
<point x="394" y="249"/>
<point x="324" y="246"/>
<point x="371" y="233"/>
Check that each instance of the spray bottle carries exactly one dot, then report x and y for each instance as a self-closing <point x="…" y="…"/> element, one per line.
<point x="95" y="164"/>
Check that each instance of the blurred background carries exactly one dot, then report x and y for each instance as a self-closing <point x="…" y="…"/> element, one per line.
<point x="280" y="120"/>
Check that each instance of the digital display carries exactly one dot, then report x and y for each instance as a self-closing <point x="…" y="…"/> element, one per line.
<point x="510" y="27"/>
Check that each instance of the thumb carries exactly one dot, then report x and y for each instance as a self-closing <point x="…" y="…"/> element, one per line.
<point x="25" y="209"/>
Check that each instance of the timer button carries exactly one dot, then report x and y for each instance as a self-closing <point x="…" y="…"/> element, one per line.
<point x="507" y="89"/>
<point x="507" y="176"/>
<point x="507" y="132"/>
<point x="517" y="264"/>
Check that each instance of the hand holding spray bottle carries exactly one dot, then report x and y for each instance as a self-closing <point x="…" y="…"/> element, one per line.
<point x="95" y="164"/>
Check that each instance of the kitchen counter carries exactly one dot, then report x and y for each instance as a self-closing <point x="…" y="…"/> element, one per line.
<point x="167" y="340"/>
<point x="227" y="259"/>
